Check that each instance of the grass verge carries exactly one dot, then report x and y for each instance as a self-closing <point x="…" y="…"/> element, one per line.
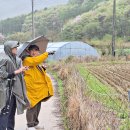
<point x="63" y="99"/>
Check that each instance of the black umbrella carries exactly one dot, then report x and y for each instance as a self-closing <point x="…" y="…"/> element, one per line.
<point x="40" y="41"/>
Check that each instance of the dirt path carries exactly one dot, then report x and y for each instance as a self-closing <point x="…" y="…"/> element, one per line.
<point x="49" y="116"/>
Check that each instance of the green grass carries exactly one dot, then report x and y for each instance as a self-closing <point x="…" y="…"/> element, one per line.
<point x="101" y="92"/>
<point x="122" y="52"/>
<point x="93" y="82"/>
<point x="63" y="100"/>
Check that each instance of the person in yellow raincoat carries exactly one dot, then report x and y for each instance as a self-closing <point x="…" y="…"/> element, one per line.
<point x="38" y="84"/>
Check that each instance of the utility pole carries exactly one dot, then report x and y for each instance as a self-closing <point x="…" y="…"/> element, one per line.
<point x="33" y="28"/>
<point x="114" y="28"/>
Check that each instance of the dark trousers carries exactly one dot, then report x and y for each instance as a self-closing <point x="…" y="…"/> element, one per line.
<point x="32" y="115"/>
<point x="8" y="120"/>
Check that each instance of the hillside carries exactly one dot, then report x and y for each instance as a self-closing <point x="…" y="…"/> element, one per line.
<point x="97" y="23"/>
<point x="85" y="20"/>
<point x="47" y="21"/>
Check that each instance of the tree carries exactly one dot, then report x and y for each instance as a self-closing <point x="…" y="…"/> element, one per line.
<point x="11" y="25"/>
<point x="20" y="36"/>
<point x="76" y="1"/>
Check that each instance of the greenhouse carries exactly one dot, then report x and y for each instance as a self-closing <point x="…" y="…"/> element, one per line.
<point x="66" y="49"/>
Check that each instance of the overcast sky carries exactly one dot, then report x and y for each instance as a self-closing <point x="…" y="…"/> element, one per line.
<point x="11" y="8"/>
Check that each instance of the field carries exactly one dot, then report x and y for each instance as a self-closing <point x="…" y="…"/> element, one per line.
<point x="115" y="75"/>
<point x="94" y="95"/>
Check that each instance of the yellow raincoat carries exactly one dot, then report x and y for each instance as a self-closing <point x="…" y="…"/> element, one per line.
<point x="38" y="83"/>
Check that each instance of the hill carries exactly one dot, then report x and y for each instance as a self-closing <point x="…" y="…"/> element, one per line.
<point x="48" y="21"/>
<point x="85" y="20"/>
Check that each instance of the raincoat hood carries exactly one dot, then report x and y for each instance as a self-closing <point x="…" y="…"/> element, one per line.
<point x="8" y="46"/>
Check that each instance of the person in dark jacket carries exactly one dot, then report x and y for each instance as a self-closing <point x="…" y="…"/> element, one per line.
<point x="12" y="92"/>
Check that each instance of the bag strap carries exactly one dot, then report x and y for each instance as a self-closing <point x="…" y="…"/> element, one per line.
<point x="39" y="68"/>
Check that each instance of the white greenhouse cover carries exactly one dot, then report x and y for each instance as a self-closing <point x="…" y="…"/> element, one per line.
<point x="75" y="48"/>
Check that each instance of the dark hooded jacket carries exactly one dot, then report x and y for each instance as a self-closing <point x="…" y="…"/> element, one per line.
<point x="8" y="64"/>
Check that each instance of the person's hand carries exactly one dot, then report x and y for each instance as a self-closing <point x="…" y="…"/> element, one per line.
<point x="51" y="52"/>
<point x="43" y="65"/>
<point x="22" y="69"/>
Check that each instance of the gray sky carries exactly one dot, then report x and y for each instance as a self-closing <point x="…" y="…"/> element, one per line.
<point x="11" y="8"/>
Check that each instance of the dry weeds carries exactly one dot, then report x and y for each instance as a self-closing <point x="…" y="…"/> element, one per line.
<point x="83" y="113"/>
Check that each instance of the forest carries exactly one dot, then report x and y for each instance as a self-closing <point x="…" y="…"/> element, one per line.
<point x="85" y="20"/>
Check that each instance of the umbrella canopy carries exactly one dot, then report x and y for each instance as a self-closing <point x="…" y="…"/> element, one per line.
<point x="41" y="42"/>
